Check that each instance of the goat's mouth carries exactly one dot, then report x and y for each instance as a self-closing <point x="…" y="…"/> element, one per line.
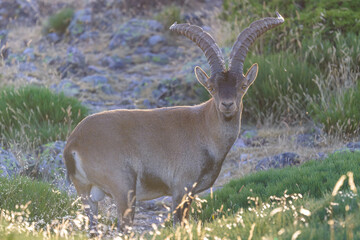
<point x="228" y="114"/>
<point x="228" y="110"/>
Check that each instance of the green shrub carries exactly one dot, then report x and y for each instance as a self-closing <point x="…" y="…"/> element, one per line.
<point x="278" y="93"/>
<point x="339" y="113"/>
<point x="46" y="202"/>
<point x="342" y="51"/>
<point x="59" y="22"/>
<point x="312" y="179"/>
<point x="168" y="15"/>
<point x="31" y="116"/>
<point x="280" y="217"/>
<point x="302" y="18"/>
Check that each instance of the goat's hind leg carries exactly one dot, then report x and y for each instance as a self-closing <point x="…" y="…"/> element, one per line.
<point x="124" y="195"/>
<point x="91" y="207"/>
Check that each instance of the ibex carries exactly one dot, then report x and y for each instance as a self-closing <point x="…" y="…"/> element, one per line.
<point x="174" y="151"/>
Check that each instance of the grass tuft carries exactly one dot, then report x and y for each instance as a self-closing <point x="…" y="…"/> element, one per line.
<point x="59" y="22"/>
<point x="31" y="116"/>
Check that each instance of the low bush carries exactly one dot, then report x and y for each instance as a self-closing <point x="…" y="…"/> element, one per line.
<point x="44" y="202"/>
<point x="339" y="112"/>
<point x="59" y="22"/>
<point x="279" y="91"/>
<point x="168" y="15"/>
<point x="302" y="18"/>
<point x="31" y="116"/>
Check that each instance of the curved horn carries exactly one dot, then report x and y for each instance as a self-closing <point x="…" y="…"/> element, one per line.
<point x="205" y="42"/>
<point x="247" y="37"/>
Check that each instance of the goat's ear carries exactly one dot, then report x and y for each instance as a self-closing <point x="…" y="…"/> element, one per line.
<point x="202" y="77"/>
<point x="252" y="74"/>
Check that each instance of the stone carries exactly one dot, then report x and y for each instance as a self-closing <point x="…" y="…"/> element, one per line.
<point x="51" y="165"/>
<point x="353" y="145"/>
<point x="68" y="87"/>
<point x="75" y="56"/>
<point x="239" y="143"/>
<point x="156" y="39"/>
<point x="350" y="147"/>
<point x="278" y="161"/>
<point x="113" y="62"/>
<point x="132" y="31"/>
<point x="249" y="134"/>
<point x="107" y="89"/>
<point x="73" y="63"/>
<point x="89" y="35"/>
<point x="4" y="51"/>
<point x="53" y="37"/>
<point x="80" y="22"/>
<point x="29" y="54"/>
<point x="9" y="165"/>
<point x="27" y="67"/>
<point x="95" y="80"/>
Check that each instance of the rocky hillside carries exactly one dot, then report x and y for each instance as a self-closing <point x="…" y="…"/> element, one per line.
<point x="112" y="55"/>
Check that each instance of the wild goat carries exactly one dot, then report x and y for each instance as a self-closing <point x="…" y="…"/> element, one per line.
<point x="175" y="151"/>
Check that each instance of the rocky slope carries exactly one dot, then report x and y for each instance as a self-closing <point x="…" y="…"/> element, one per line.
<point x="111" y="59"/>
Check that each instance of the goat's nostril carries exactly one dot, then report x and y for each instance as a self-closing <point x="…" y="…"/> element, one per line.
<point x="227" y="105"/>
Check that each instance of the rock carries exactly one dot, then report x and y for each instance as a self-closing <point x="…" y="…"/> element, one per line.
<point x="4" y="51"/>
<point x="148" y="104"/>
<point x="239" y="143"/>
<point x="156" y="39"/>
<point x="249" y="134"/>
<point x="8" y="163"/>
<point x="107" y="89"/>
<point x="132" y="31"/>
<point x="80" y="22"/>
<point x="68" y="87"/>
<point x="75" y="56"/>
<point x="95" y="80"/>
<point x="321" y="155"/>
<point x="24" y="11"/>
<point x="350" y="147"/>
<point x="27" y="67"/>
<point x="113" y="62"/>
<point x="307" y="140"/>
<point x="74" y="63"/>
<point x="53" y="37"/>
<point x="89" y="35"/>
<point x="29" y="54"/>
<point x="353" y="146"/>
<point x="51" y="164"/>
<point x="159" y="58"/>
<point x="278" y="161"/>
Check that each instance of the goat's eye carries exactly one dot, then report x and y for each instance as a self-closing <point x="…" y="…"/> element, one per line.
<point x="211" y="89"/>
<point x="244" y="87"/>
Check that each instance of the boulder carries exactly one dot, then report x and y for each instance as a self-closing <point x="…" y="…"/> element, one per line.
<point x="9" y="165"/>
<point x="278" y="161"/>
<point x="132" y="31"/>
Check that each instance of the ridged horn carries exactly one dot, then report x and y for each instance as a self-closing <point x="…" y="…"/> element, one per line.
<point x="206" y="42"/>
<point x="247" y="37"/>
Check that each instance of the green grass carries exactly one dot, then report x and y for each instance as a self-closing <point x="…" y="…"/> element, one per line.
<point x="168" y="15"/>
<point x="281" y="219"/>
<point x="276" y="204"/>
<point x="339" y="113"/>
<point x="46" y="202"/>
<point x="280" y="88"/>
<point x="59" y="22"/>
<point x="313" y="179"/>
<point x="31" y="116"/>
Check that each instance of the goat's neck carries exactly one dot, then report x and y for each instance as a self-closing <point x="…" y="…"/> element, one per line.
<point x="223" y="131"/>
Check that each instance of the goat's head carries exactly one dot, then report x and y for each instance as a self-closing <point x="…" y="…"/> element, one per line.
<point x="227" y="87"/>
